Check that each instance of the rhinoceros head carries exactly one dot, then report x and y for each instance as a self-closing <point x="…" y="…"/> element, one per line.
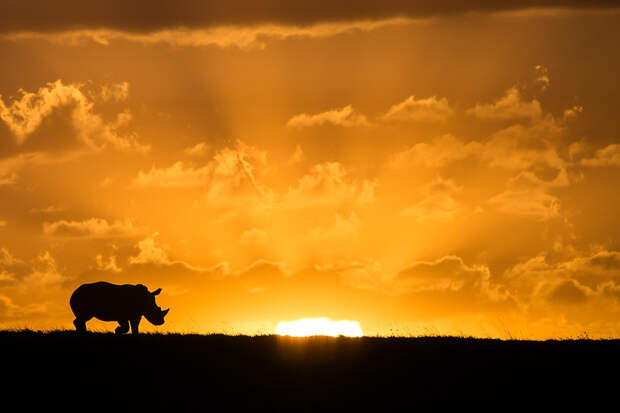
<point x="152" y="311"/>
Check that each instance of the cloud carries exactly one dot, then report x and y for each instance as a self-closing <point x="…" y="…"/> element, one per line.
<point x="6" y="307"/>
<point x="589" y="281"/>
<point x="448" y="273"/>
<point x="297" y="156"/>
<point x="40" y="272"/>
<point x="327" y="184"/>
<point x="109" y="265"/>
<point x="8" y="178"/>
<point x="117" y="92"/>
<point x="342" y="228"/>
<point x="119" y="15"/>
<point x="92" y="228"/>
<point x="11" y="268"/>
<point x="25" y="115"/>
<point x="551" y="178"/>
<point x="235" y="177"/>
<point x="542" y="77"/>
<point x="515" y="147"/>
<point x="595" y="270"/>
<point x="521" y="147"/>
<point x="10" y="166"/>
<point x="534" y="203"/>
<point x="44" y="273"/>
<point x="426" y="110"/>
<point x="422" y="110"/>
<point x="436" y="153"/>
<point x="510" y="107"/>
<point x="366" y="274"/>
<point x="438" y="203"/>
<point x="148" y="252"/>
<point x="346" y="117"/>
<point x="201" y="149"/>
<point x="244" y="37"/>
<point x="6" y="258"/>
<point x="253" y="236"/>
<point x="607" y="156"/>
<point x="232" y="176"/>
<point x="33" y="290"/>
<point x="527" y="194"/>
<point x="52" y="209"/>
<point x="569" y="292"/>
<point x="573" y="112"/>
<point x="176" y="176"/>
<point x="262" y="275"/>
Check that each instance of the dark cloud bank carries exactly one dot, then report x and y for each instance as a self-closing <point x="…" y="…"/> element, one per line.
<point x="153" y="15"/>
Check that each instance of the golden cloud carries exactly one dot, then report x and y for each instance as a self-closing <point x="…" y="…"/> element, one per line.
<point x="342" y="228"/>
<point x="107" y="265"/>
<point x="429" y="109"/>
<point x="581" y="286"/>
<point x="234" y="177"/>
<point x="445" y="273"/>
<point x="327" y="184"/>
<point x="437" y="153"/>
<point x="149" y="253"/>
<point x="243" y="37"/>
<point x="346" y="117"/>
<point x="438" y="202"/>
<point x="533" y="203"/>
<point x="607" y="156"/>
<point x="199" y="150"/>
<point x="253" y="236"/>
<point x="511" y="106"/>
<point x="514" y="147"/>
<point x="176" y="176"/>
<point x="192" y="14"/>
<point x="25" y="115"/>
<point x="92" y="228"/>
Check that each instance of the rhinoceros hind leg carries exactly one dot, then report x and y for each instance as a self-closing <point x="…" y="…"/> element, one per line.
<point x="80" y="325"/>
<point x="123" y="327"/>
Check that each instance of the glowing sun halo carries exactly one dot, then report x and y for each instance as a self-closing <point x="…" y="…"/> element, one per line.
<point x="319" y="327"/>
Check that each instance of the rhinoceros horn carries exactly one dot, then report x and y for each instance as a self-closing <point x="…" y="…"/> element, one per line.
<point x="156" y="292"/>
<point x="163" y="313"/>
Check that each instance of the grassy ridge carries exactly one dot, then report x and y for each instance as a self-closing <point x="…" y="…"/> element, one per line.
<point x="202" y="372"/>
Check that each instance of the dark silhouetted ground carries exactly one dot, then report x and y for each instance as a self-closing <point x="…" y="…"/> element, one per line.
<point x="220" y="373"/>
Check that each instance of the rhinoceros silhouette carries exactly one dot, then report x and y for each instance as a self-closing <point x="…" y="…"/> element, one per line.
<point x="125" y="304"/>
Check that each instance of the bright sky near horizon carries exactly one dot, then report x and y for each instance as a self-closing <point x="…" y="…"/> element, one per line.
<point x="421" y="169"/>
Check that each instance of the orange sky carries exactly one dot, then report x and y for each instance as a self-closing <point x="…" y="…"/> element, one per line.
<point x="441" y="169"/>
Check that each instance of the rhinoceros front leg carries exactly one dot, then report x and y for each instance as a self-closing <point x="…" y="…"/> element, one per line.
<point x="134" y="325"/>
<point x="123" y="327"/>
<point x="80" y="325"/>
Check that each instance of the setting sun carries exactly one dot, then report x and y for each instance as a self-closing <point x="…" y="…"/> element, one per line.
<point x="306" y="327"/>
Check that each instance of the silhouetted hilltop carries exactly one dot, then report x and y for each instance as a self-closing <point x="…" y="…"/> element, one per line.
<point x="209" y="372"/>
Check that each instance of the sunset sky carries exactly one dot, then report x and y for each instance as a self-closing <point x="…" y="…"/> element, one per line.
<point x="422" y="167"/>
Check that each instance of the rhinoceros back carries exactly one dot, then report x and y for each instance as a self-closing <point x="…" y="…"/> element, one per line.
<point x="105" y="301"/>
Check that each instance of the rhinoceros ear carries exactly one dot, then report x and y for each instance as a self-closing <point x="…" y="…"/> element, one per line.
<point x="156" y="292"/>
<point x="163" y="313"/>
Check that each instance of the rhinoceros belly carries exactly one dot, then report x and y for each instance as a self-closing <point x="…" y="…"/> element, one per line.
<point x="107" y="302"/>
